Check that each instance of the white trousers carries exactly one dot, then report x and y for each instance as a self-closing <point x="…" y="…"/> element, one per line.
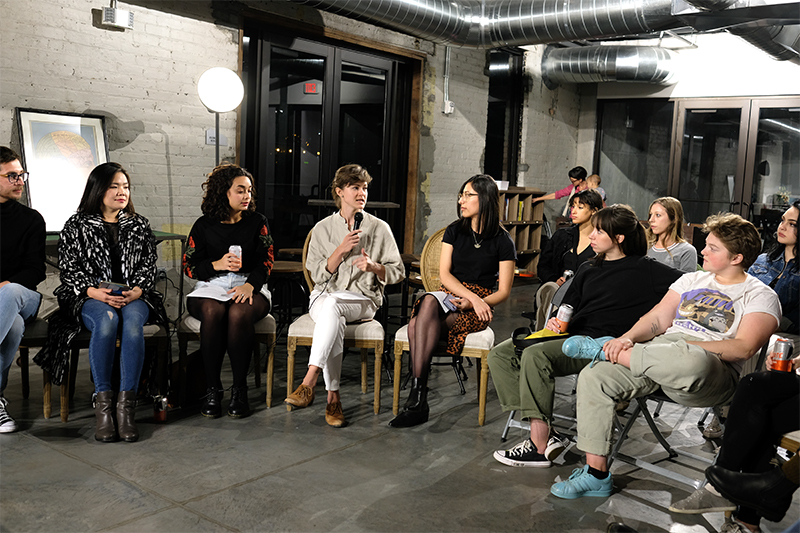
<point x="330" y="315"/>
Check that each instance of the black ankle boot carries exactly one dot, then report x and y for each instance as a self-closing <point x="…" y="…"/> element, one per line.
<point x="212" y="406"/>
<point x="769" y="493"/>
<point x="239" y="406"/>
<point x="415" y="411"/>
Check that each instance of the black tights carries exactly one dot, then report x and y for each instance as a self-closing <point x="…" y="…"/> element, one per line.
<point x="227" y="325"/>
<point x="764" y="407"/>
<point x="424" y="331"/>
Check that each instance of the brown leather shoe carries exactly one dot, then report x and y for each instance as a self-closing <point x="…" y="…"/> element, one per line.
<point x="126" y="412"/>
<point x="302" y="397"/>
<point x="334" y="415"/>
<point x="104" y="412"/>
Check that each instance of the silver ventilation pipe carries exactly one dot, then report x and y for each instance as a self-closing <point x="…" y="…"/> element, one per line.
<point x="771" y="40"/>
<point x="497" y="23"/>
<point x="593" y="64"/>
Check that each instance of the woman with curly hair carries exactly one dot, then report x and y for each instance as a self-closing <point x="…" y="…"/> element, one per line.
<point x="106" y="241"/>
<point x="665" y="235"/>
<point x="231" y="293"/>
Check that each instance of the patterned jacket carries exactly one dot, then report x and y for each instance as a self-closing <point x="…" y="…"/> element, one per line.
<point x="84" y="259"/>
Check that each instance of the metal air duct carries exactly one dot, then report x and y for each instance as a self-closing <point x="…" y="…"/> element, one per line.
<point x="593" y="64"/>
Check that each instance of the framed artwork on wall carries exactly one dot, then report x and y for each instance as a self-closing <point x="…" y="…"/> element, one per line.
<point x="59" y="150"/>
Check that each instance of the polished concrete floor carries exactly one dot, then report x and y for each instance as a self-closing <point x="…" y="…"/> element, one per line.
<point x="289" y="471"/>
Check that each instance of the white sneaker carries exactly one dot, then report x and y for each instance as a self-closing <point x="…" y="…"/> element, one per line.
<point x="702" y="501"/>
<point x="555" y="446"/>
<point x="7" y="424"/>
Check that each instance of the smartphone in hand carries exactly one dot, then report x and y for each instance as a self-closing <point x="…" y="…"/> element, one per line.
<point x="116" y="288"/>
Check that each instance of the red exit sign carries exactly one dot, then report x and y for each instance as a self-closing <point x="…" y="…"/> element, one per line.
<point x="311" y="88"/>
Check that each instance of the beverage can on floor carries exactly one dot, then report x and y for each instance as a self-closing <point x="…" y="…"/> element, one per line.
<point x="160" y="408"/>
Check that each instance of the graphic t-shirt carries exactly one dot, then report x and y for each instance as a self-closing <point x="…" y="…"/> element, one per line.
<point x="713" y="312"/>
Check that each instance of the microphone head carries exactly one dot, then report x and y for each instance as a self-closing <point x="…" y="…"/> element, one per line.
<point x="357" y="218"/>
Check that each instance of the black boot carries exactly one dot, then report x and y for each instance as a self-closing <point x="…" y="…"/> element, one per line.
<point x="212" y="406"/>
<point x="769" y="493"/>
<point x="104" y="412"/>
<point x="126" y="411"/>
<point x="415" y="411"/>
<point x="239" y="407"/>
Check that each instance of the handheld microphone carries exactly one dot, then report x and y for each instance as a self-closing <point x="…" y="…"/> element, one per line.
<point x="357" y="218"/>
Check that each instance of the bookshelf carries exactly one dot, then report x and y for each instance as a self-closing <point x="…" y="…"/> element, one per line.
<point x="523" y="220"/>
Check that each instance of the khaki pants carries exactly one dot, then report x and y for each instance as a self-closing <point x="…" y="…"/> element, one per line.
<point x="686" y="373"/>
<point x="527" y="383"/>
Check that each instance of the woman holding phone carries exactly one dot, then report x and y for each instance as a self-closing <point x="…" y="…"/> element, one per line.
<point x="107" y="257"/>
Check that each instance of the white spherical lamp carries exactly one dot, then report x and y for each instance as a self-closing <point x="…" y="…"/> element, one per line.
<point x="220" y="89"/>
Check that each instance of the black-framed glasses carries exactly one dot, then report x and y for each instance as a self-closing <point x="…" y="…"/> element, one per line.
<point x="466" y="195"/>
<point x="13" y="177"/>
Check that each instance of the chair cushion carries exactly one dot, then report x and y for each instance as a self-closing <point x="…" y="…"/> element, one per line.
<point x="482" y="340"/>
<point x="190" y="324"/>
<point x="369" y="330"/>
<point x="36" y="329"/>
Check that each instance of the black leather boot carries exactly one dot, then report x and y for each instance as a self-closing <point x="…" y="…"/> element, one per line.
<point x="415" y="411"/>
<point x="126" y="412"/>
<point x="769" y="493"/>
<point x="239" y="406"/>
<point x="212" y="406"/>
<point x="104" y="412"/>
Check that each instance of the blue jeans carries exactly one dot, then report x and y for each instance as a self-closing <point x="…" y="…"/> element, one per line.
<point x="104" y="321"/>
<point x="17" y="305"/>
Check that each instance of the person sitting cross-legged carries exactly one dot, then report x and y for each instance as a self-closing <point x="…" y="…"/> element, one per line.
<point x="692" y="345"/>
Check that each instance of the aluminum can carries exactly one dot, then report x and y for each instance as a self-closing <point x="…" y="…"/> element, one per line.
<point x="236" y="250"/>
<point x="782" y="355"/>
<point x="160" y="408"/>
<point x="563" y="317"/>
<point x="567" y="274"/>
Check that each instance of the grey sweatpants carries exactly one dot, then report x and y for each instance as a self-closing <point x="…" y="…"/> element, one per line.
<point x="686" y="373"/>
<point x="527" y="384"/>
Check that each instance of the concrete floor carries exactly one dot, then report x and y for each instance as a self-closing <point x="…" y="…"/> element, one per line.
<point x="281" y="471"/>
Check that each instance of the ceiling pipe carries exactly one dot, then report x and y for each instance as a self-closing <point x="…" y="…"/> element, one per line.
<point x="594" y="64"/>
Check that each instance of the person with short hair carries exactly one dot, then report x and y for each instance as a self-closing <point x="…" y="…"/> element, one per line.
<point x="107" y="260"/>
<point x="665" y="235"/>
<point x="22" y="240"/>
<point x="577" y="178"/>
<point x="350" y="267"/>
<point x="692" y="345"/>
<point x="231" y="293"/>
<point x="593" y="182"/>
<point x="608" y="294"/>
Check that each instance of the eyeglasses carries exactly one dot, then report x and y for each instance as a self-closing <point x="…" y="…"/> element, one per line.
<point x="13" y="177"/>
<point x="466" y="195"/>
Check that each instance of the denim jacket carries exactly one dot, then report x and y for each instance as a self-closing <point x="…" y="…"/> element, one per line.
<point x="787" y="287"/>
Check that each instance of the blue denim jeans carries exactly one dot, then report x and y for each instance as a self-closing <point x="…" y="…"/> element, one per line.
<point x="17" y="305"/>
<point x="104" y="322"/>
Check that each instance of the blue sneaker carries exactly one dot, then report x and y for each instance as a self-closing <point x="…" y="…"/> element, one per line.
<point x="581" y="483"/>
<point x="583" y="347"/>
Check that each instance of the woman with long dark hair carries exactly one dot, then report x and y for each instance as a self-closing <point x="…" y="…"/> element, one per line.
<point x="477" y="252"/>
<point x="231" y="293"/>
<point x="608" y="294"/>
<point x="106" y="241"/>
<point x="780" y="269"/>
<point x="665" y="235"/>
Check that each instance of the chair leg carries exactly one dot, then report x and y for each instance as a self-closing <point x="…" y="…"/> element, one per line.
<point x="483" y="387"/>
<point x="46" y="389"/>
<point x="378" y="362"/>
<point x="364" y="385"/>
<point x="23" y="362"/>
<point x="257" y="362"/>
<point x="291" y="348"/>
<point x="183" y="363"/>
<point x="270" y="367"/>
<point x="398" y="369"/>
<point x="504" y="436"/>
<point x="73" y="374"/>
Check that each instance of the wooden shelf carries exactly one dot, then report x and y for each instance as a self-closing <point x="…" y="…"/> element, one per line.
<point x="523" y="220"/>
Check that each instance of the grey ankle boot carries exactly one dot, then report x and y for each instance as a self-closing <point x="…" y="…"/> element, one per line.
<point x="126" y="411"/>
<point x="103" y="411"/>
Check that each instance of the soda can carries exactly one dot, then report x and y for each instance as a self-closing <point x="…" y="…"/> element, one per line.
<point x="782" y="355"/>
<point x="236" y="250"/>
<point x="563" y="317"/>
<point x="567" y="274"/>
<point x="160" y="408"/>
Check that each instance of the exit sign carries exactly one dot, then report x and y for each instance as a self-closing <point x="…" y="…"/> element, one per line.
<point x="311" y="88"/>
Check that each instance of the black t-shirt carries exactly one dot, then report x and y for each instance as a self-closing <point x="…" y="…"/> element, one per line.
<point x="610" y="298"/>
<point x="478" y="265"/>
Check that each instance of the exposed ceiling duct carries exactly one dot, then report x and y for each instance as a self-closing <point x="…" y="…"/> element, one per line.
<point x="593" y="64"/>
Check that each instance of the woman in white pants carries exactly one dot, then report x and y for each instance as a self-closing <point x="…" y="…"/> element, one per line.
<point x="349" y="278"/>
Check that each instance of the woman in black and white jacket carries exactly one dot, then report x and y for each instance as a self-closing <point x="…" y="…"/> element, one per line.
<point x="106" y="241"/>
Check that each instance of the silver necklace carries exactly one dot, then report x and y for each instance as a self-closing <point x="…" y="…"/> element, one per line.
<point x="475" y="239"/>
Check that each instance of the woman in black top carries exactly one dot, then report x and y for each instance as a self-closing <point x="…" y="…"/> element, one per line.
<point x="476" y="253"/>
<point x="231" y="293"/>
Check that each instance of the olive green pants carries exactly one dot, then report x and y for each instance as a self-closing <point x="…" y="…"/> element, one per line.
<point x="527" y="383"/>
